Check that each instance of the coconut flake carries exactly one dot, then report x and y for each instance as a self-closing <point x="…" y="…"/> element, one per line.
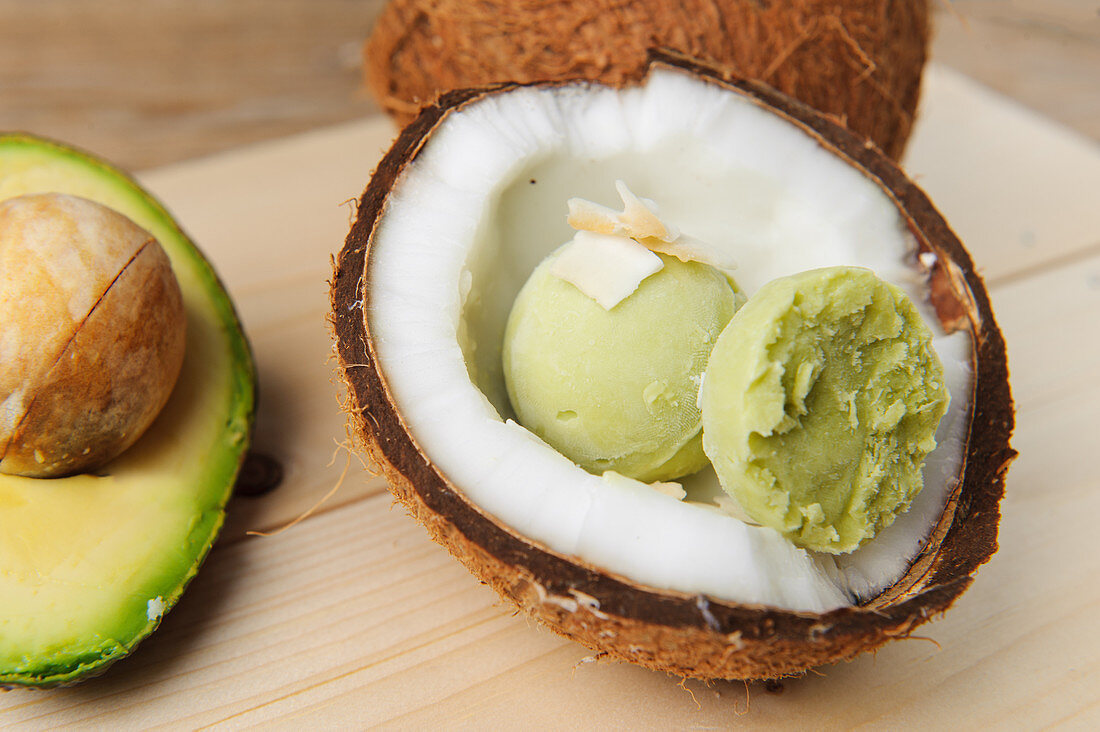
<point x="606" y="267"/>
<point x="584" y="215"/>
<point x="689" y="249"/>
<point x="670" y="489"/>
<point x="641" y="221"/>
<point x="639" y="218"/>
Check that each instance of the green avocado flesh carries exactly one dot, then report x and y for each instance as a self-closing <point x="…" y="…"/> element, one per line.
<point x="820" y="403"/>
<point x="617" y="389"/>
<point x="89" y="563"/>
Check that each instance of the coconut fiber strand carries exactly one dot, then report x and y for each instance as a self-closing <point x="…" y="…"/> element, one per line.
<point x="859" y="61"/>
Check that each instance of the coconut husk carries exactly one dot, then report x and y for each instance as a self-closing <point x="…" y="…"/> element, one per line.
<point x="859" y="61"/>
<point x="692" y="635"/>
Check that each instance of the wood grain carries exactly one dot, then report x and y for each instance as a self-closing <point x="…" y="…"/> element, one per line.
<point x="1043" y="53"/>
<point x="354" y="619"/>
<point x="149" y="83"/>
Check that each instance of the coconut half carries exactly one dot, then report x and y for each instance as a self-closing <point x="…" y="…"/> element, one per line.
<point x="473" y="195"/>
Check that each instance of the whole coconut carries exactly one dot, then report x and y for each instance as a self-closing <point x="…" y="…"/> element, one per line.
<point x="859" y="60"/>
<point x="92" y="331"/>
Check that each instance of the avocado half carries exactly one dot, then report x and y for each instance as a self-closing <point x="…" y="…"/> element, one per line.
<point x="90" y="563"/>
<point x="658" y="613"/>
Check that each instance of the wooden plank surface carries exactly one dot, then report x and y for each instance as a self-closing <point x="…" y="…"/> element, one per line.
<point x="149" y="83"/>
<point x="354" y="618"/>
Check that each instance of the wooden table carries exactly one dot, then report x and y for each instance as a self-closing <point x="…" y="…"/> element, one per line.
<point x="353" y="618"/>
<point x="150" y="83"/>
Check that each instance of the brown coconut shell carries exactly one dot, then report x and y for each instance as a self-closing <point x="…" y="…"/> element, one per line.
<point x="859" y="61"/>
<point x="690" y="635"/>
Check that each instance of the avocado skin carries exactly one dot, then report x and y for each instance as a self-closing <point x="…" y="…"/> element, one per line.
<point x="195" y="505"/>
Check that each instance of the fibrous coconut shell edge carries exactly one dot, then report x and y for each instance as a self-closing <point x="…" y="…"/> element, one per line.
<point x="690" y="635"/>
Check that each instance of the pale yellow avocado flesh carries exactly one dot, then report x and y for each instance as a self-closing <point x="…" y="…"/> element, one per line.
<point x="89" y="563"/>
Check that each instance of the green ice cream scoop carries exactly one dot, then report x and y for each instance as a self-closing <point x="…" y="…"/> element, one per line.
<point x="617" y="389"/>
<point x="820" y="403"/>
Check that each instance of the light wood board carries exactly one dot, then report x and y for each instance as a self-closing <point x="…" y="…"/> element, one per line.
<point x="354" y="618"/>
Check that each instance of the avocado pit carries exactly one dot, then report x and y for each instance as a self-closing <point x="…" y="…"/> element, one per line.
<point x="93" y="333"/>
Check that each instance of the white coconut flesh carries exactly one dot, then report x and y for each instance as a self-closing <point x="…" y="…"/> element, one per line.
<point x="485" y="201"/>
